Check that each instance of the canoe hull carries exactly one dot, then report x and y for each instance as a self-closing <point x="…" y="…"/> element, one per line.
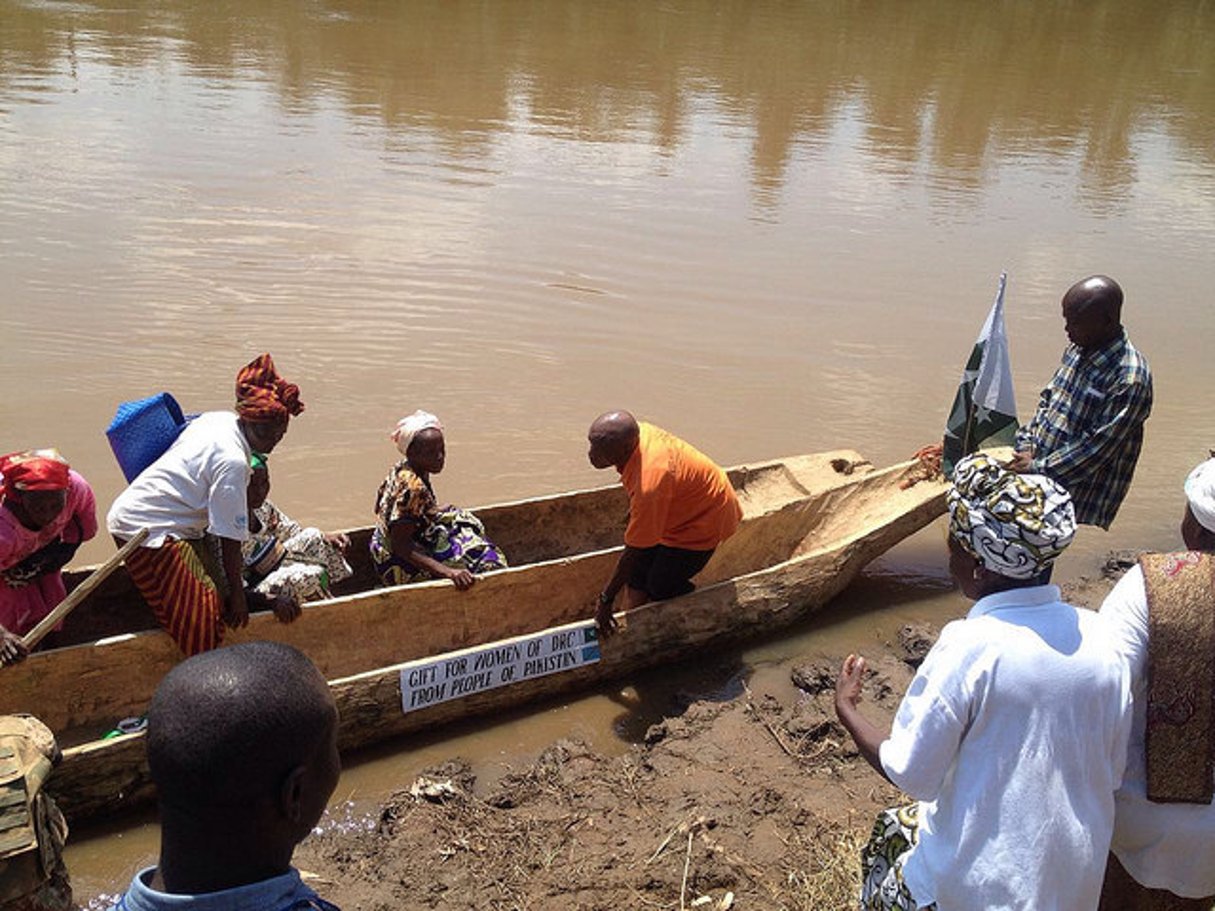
<point x="828" y="536"/>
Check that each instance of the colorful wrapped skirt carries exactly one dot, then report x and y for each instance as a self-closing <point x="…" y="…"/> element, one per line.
<point x="455" y="538"/>
<point x="183" y="584"/>
<point x="894" y="835"/>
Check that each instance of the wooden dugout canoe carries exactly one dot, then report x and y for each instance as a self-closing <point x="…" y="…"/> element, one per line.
<point x="810" y="524"/>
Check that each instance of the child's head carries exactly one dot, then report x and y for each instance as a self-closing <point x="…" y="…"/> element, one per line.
<point x="259" y="481"/>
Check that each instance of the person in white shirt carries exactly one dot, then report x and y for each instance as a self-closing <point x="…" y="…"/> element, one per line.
<point x="1012" y="735"/>
<point x="1163" y="854"/>
<point x="195" y="495"/>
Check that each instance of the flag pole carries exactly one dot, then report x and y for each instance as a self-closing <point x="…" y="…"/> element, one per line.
<point x="970" y="426"/>
<point x="82" y="591"/>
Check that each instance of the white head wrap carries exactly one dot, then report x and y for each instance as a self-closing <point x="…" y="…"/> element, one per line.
<point x="1014" y="524"/>
<point x="410" y="426"/>
<point x="1200" y="491"/>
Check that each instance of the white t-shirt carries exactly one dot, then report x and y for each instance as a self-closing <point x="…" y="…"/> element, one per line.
<point x="1162" y="845"/>
<point x="199" y="485"/>
<point x="1013" y="736"/>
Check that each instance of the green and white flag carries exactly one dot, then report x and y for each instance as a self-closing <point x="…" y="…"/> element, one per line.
<point x="984" y="411"/>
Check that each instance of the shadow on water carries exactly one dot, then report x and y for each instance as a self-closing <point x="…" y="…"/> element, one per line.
<point x="651" y="697"/>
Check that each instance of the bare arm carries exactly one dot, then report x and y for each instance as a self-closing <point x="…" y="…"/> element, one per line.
<point x="236" y="611"/>
<point x="867" y="735"/>
<point x="404" y="546"/>
<point x="624" y="569"/>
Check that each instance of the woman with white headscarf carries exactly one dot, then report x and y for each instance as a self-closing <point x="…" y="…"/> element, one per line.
<point x="414" y="538"/>
<point x="1163" y="853"/>
<point x="1012" y="736"/>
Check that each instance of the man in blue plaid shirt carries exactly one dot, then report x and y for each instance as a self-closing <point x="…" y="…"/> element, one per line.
<point x="1088" y="429"/>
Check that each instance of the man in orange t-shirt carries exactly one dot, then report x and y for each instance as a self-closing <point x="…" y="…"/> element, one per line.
<point x="681" y="506"/>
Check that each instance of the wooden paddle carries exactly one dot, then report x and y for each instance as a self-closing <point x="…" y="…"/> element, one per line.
<point x="82" y="591"/>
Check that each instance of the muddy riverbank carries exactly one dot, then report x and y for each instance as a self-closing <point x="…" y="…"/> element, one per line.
<point x="759" y="801"/>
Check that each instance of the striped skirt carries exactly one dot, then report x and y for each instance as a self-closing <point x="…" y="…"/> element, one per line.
<point x="180" y="582"/>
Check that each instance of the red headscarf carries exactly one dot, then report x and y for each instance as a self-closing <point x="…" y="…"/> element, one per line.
<point x="34" y="469"/>
<point x="262" y="396"/>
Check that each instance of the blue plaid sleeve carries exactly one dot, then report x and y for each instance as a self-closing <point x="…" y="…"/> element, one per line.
<point x="1126" y="408"/>
<point x="1024" y="440"/>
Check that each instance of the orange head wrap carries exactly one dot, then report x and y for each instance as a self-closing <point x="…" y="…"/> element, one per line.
<point x="34" y="469"/>
<point x="262" y="396"/>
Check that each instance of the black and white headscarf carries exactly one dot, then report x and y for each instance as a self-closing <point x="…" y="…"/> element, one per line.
<point x="1014" y="524"/>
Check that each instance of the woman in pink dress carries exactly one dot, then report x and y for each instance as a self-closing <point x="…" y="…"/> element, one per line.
<point x="46" y="512"/>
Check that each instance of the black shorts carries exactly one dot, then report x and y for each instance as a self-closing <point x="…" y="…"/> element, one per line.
<point x="664" y="572"/>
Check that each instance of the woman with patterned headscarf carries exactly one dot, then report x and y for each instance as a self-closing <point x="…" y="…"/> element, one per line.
<point x="415" y="538"/>
<point x="46" y="512"/>
<point x="193" y="501"/>
<point x="1012" y="735"/>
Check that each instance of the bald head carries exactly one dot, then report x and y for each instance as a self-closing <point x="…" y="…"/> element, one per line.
<point x="613" y="437"/>
<point x="227" y="726"/>
<point x="1092" y="312"/>
<point x="1095" y="291"/>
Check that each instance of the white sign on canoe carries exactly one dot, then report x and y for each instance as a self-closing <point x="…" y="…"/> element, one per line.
<point x="433" y="680"/>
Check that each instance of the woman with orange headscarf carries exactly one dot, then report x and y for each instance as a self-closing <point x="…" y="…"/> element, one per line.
<point x="193" y="501"/>
<point x="46" y="512"/>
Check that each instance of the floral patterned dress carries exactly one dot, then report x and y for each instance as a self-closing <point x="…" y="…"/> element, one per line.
<point x="283" y="557"/>
<point x="895" y="833"/>
<point x="452" y="536"/>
